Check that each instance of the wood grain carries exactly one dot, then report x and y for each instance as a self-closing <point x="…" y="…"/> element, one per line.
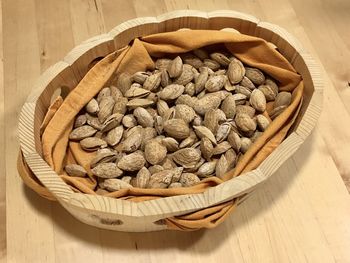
<point x="2" y="151"/>
<point x="300" y="215"/>
<point x="334" y="55"/>
<point x="22" y="71"/>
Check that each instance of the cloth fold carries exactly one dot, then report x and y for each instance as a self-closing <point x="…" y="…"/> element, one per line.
<point x="58" y="123"/>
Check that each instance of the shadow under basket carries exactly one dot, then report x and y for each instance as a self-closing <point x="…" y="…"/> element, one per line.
<point x="123" y="215"/>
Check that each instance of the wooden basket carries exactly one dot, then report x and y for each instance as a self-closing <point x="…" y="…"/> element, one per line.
<point x="123" y="215"/>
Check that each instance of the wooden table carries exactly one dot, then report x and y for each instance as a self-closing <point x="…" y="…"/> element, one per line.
<point x="302" y="214"/>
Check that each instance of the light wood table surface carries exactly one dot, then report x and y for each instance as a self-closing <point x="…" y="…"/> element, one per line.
<point x="302" y="214"/>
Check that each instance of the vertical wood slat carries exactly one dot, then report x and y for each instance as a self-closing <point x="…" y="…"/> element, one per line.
<point x="313" y="93"/>
<point x="48" y="177"/>
<point x="138" y="27"/>
<point x="140" y="216"/>
<point x="311" y="115"/>
<point x="81" y="56"/>
<point x="288" y="45"/>
<point x="285" y="150"/>
<point x="26" y="129"/>
<point x="175" y="20"/>
<point x="244" y="23"/>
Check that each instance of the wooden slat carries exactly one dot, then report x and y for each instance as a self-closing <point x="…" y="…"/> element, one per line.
<point x="287" y="44"/>
<point x="285" y="150"/>
<point x="48" y="177"/>
<point x="82" y="55"/>
<point x="125" y="32"/>
<point x="244" y="23"/>
<point x="182" y="19"/>
<point x="2" y="150"/>
<point x="26" y="129"/>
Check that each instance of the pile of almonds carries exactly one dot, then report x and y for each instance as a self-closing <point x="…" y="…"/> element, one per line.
<point x="189" y="119"/>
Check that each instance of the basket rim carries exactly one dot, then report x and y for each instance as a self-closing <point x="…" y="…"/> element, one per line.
<point x="228" y="190"/>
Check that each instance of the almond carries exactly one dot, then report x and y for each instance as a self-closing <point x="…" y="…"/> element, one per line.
<point x="255" y="75"/>
<point x="155" y="152"/>
<point x="177" y="128"/>
<point x="235" y="71"/>
<point x="175" y="67"/>
<point x="132" y="162"/>
<point x="258" y="100"/>
<point x="75" y="170"/>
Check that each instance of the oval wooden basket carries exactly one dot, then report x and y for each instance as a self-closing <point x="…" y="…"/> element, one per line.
<point x="123" y="215"/>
